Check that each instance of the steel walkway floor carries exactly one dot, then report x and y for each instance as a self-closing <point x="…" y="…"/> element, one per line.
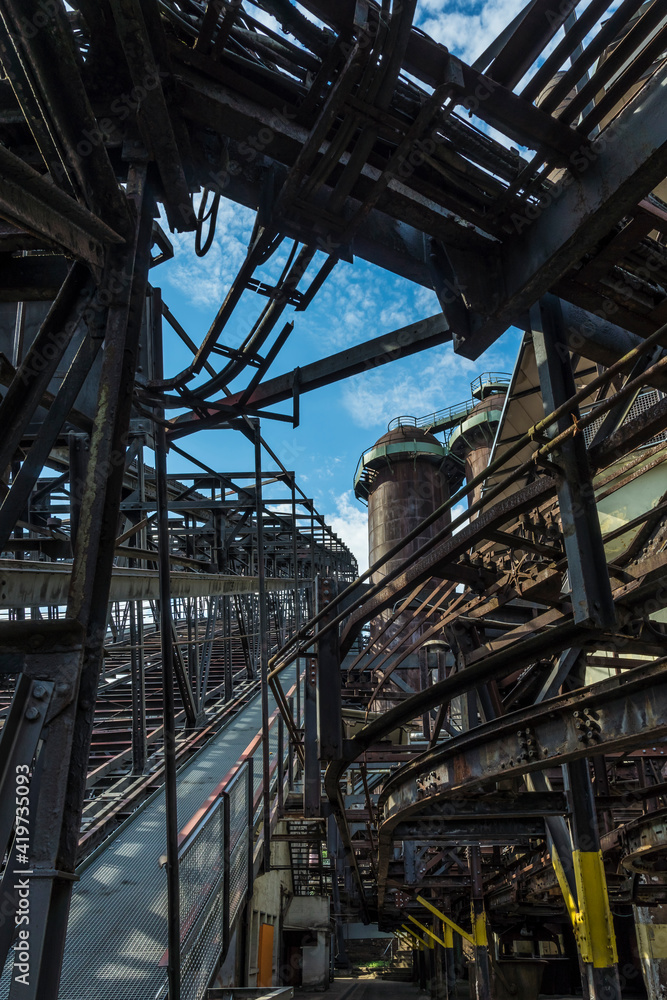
<point x="117" y="930"/>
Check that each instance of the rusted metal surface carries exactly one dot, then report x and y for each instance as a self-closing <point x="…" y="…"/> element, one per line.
<point x="28" y="585"/>
<point x="351" y="135"/>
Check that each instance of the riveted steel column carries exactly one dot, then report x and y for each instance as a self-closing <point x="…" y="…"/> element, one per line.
<point x="450" y="962"/>
<point x="312" y="780"/>
<point x="587" y="566"/>
<point x="479" y="931"/>
<point x="594" y="927"/>
<point x="79" y="445"/>
<point x="169" y="708"/>
<point x="56" y="816"/>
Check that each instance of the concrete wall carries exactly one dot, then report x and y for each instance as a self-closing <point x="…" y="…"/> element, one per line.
<point x="271" y="893"/>
<point x="308" y="912"/>
<point x="315" y="968"/>
<point x="312" y="915"/>
<point x="307" y="919"/>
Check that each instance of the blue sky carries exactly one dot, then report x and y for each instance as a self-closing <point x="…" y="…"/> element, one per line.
<point x="357" y="302"/>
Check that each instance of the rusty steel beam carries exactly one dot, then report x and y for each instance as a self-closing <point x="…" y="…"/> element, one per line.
<point x="54" y="67"/>
<point x="155" y="120"/>
<point x="613" y="715"/>
<point x="34" y="584"/>
<point x="372" y="354"/>
<point x="28" y="201"/>
<point x="610" y="716"/>
<point x="627" y="161"/>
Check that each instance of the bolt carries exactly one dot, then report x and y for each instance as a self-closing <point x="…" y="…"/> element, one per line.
<point x="39" y="693"/>
<point x="32" y="714"/>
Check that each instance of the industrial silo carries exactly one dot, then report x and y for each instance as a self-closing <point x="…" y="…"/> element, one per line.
<point x="402" y="480"/>
<point x="471" y="441"/>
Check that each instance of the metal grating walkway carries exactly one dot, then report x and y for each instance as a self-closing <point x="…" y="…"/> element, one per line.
<point x="117" y="930"/>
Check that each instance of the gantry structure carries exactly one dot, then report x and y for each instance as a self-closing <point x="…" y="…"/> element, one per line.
<point x="483" y="712"/>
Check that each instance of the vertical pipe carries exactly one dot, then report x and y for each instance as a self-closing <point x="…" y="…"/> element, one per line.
<point x="597" y="941"/>
<point x="478" y="916"/>
<point x="166" y="637"/>
<point x="450" y="962"/>
<point x="297" y="610"/>
<point x="292" y="751"/>
<point x="263" y="648"/>
<point x="281" y="769"/>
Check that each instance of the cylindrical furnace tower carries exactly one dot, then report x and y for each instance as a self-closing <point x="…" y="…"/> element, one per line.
<point x="472" y="439"/>
<point x="402" y="480"/>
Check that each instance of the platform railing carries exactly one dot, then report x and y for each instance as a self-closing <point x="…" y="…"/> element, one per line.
<point x="438" y="417"/>
<point x="214" y="874"/>
<point x="216" y="864"/>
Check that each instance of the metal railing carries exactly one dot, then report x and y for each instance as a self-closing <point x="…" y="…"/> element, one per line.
<point x="438" y="417"/>
<point x="215" y="874"/>
<point x="450" y="415"/>
<point x="216" y="865"/>
<point x="489" y="380"/>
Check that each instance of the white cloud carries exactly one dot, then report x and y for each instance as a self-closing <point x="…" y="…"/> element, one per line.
<point x="456" y="512"/>
<point x="437" y="380"/>
<point x="205" y="280"/>
<point x="281" y="508"/>
<point x="350" y="522"/>
<point x="360" y="302"/>
<point x="466" y="27"/>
